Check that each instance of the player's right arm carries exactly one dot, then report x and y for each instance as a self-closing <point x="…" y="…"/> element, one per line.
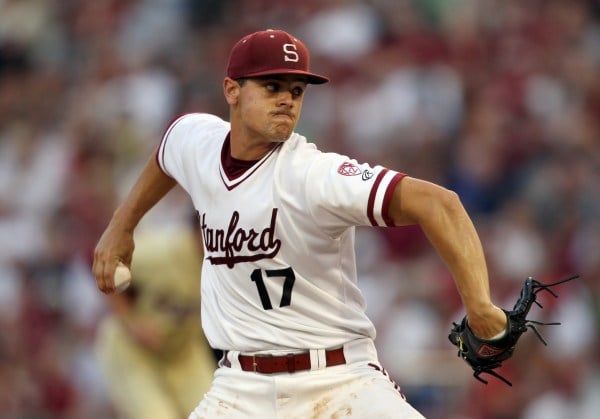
<point x="116" y="243"/>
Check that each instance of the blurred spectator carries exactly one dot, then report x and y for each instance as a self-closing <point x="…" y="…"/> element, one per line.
<point x="155" y="358"/>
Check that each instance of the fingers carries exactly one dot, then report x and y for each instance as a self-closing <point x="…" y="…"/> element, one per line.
<point x="114" y="246"/>
<point x="104" y="270"/>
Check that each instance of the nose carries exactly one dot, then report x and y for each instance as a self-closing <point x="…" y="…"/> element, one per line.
<point x="285" y="98"/>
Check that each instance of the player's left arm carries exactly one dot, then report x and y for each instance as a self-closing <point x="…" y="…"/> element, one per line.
<point x="442" y="217"/>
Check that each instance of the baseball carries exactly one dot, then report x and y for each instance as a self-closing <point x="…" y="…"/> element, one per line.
<point x="122" y="277"/>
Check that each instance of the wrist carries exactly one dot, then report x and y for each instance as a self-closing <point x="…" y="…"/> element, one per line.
<point x="124" y="219"/>
<point x="488" y="324"/>
<point x="480" y="312"/>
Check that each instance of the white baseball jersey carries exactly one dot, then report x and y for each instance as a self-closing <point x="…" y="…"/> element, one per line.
<point x="279" y="271"/>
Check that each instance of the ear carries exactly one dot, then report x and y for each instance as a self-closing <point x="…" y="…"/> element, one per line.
<point x="231" y="90"/>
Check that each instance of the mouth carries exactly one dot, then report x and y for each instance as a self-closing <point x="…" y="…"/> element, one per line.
<point x="283" y="115"/>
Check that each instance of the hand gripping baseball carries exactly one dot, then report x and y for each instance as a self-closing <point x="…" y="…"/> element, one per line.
<point x="122" y="277"/>
<point x="483" y="355"/>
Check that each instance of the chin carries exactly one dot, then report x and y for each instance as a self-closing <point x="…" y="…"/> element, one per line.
<point x="281" y="132"/>
<point x="281" y="137"/>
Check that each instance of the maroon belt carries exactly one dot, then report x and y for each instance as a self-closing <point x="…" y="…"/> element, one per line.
<point x="269" y="364"/>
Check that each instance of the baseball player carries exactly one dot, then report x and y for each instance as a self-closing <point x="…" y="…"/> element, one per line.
<point x="277" y="217"/>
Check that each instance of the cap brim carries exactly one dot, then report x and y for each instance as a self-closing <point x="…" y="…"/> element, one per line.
<point x="311" y="78"/>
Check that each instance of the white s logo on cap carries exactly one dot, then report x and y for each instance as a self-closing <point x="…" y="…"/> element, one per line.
<point x="290" y="53"/>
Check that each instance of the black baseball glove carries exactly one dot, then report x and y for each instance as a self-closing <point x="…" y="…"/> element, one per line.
<point x="484" y="356"/>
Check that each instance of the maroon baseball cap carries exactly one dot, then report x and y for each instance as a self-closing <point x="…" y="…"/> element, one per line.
<point x="270" y="52"/>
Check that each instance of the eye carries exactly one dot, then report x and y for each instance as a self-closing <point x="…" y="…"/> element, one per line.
<point x="297" y="91"/>
<point x="272" y="86"/>
<point x="276" y="86"/>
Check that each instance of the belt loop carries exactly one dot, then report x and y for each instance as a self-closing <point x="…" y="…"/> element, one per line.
<point x="233" y="357"/>
<point x="314" y="359"/>
<point x="224" y="361"/>
<point x="254" y="362"/>
<point x="322" y="358"/>
<point x="317" y="359"/>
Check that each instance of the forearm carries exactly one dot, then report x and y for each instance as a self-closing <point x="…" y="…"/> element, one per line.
<point x="453" y="235"/>
<point x="445" y="222"/>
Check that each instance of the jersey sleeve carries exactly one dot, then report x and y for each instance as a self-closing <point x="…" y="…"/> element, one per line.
<point x="175" y="130"/>
<point x="183" y="140"/>
<point x="346" y="193"/>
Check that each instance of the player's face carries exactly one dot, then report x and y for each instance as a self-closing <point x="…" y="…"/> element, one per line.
<point x="270" y="106"/>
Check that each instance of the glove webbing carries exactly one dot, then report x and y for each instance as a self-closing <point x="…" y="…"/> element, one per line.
<point x="536" y="287"/>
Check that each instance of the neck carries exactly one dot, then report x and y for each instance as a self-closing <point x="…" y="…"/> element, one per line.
<point x="246" y="147"/>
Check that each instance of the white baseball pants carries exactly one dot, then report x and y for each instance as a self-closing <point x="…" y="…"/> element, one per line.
<point x="361" y="388"/>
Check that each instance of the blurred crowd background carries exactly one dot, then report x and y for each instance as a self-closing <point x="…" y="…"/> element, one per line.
<point x="496" y="99"/>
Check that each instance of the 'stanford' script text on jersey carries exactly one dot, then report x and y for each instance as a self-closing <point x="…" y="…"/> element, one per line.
<point x="234" y="241"/>
<point x="279" y="270"/>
